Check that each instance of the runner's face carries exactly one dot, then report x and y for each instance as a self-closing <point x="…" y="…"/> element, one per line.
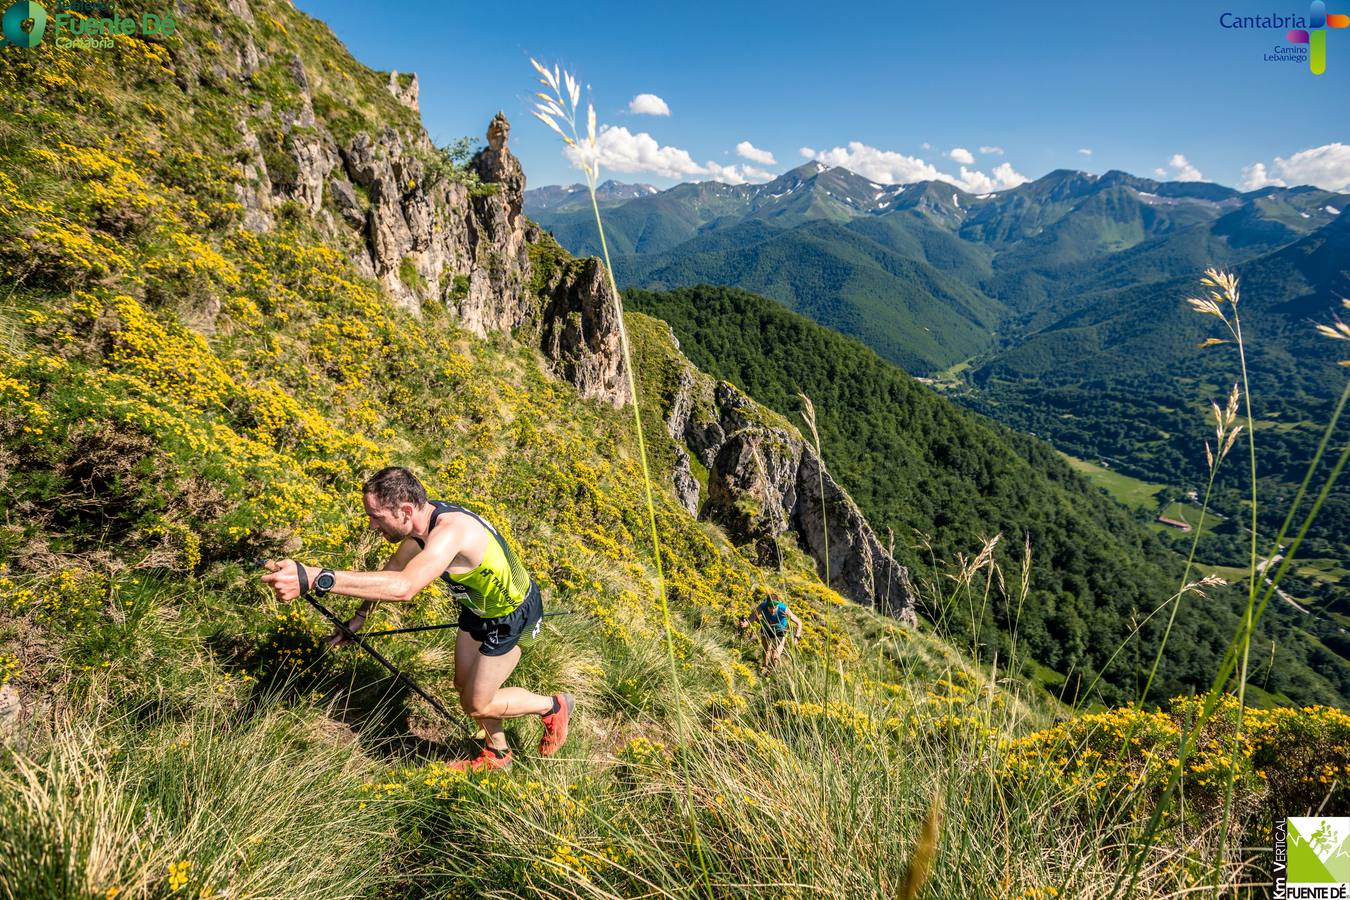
<point x="394" y="522"/>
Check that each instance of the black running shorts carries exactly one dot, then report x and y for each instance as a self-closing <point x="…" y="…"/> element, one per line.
<point x="497" y="636"/>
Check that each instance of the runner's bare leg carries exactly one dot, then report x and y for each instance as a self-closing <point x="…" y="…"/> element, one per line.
<point x="479" y="680"/>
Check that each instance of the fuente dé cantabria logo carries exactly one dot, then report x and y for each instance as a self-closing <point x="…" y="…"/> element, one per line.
<point x="23" y="24"/>
<point x="78" y="25"/>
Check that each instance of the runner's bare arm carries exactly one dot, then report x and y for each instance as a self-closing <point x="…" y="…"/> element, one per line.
<point x="396" y="562"/>
<point x="798" y="622"/>
<point x="394" y="585"/>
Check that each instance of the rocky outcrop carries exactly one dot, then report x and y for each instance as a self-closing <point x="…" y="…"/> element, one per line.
<point x="344" y="196"/>
<point x="500" y="261"/>
<point x="404" y="93"/>
<point x="253" y="190"/>
<point x="427" y="234"/>
<point x="406" y="250"/>
<point x="865" y="568"/>
<point x="579" y="331"/>
<point x="11" y="715"/>
<point x="685" y="483"/>
<point x="311" y="149"/>
<point x="469" y="249"/>
<point x="764" y="480"/>
<point x="406" y="215"/>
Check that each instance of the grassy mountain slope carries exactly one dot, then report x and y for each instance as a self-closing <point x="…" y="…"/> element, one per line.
<point x="1128" y="357"/>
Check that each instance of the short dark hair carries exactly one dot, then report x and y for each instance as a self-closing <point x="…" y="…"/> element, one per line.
<point x="395" y="485"/>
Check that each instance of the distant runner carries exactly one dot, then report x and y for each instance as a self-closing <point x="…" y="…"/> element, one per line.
<point x="773" y="616"/>
<point x="499" y="602"/>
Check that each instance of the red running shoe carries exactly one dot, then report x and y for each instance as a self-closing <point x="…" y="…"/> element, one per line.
<point x="482" y="762"/>
<point x="555" y="725"/>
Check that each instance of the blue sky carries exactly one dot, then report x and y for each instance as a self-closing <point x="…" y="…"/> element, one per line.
<point x="1137" y="84"/>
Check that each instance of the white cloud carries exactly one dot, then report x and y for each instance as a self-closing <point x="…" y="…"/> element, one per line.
<point x="885" y="166"/>
<point x="962" y="155"/>
<point x="889" y="167"/>
<point x="991" y="151"/>
<point x="1004" y="176"/>
<point x="648" y="105"/>
<point x="747" y="150"/>
<point x="1084" y="151"/>
<point x="1327" y="167"/>
<point x="620" y="150"/>
<point x="1255" y="176"/>
<point x="1182" y="170"/>
<point x="925" y="146"/>
<point x="1161" y="173"/>
<point x="807" y="152"/>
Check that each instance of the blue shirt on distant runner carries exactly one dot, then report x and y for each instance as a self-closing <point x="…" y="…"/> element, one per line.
<point x="774" y="616"/>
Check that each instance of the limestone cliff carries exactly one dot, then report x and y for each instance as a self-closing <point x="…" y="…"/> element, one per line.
<point x="386" y="195"/>
<point x="764" y="480"/>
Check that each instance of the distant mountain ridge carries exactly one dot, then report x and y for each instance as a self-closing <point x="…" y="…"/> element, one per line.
<point x="837" y="193"/>
<point x="926" y="273"/>
<point x="575" y="196"/>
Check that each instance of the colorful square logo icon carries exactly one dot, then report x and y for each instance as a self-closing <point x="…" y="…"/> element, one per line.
<point x="1315" y="35"/>
<point x="1317" y="852"/>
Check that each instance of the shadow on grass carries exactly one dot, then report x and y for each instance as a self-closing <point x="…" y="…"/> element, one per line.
<point x="290" y="665"/>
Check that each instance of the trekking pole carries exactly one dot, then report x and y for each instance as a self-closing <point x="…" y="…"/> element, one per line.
<point x="379" y="657"/>
<point x="414" y="628"/>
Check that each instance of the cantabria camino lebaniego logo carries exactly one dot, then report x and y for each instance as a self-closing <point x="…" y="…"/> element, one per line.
<point x="77" y="24"/>
<point x="1306" y="37"/>
<point x="1312" y="859"/>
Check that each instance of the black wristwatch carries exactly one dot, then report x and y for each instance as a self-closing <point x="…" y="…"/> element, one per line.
<point x="324" y="582"/>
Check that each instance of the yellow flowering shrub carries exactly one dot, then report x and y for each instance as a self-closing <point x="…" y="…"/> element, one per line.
<point x="18" y="397"/>
<point x="1284" y="760"/>
<point x="162" y="357"/>
<point x="751" y="739"/>
<point x="955" y="708"/>
<point x="643" y="752"/>
<point x="294" y="643"/>
<point x="9" y="668"/>
<point x="854" y="722"/>
<point x="71" y="599"/>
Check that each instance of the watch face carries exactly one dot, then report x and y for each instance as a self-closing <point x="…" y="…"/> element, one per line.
<point x="325" y="581"/>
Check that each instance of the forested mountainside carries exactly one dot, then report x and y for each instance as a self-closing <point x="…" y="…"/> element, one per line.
<point x="943" y="479"/>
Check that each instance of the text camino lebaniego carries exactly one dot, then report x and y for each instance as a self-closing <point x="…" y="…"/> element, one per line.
<point x="1297" y="53"/>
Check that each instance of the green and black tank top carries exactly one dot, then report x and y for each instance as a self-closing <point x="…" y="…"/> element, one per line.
<point x="497" y="585"/>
